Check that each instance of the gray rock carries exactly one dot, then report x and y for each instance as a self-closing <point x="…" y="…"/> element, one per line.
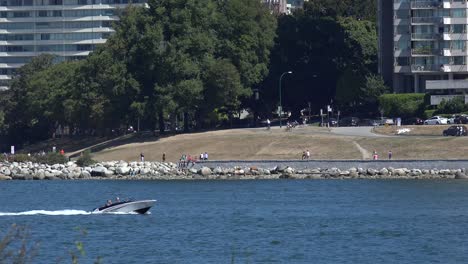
<point x="5" y="171"/>
<point x="280" y="168"/>
<point x="122" y="170"/>
<point x="85" y="174"/>
<point x="99" y="171"/>
<point x="383" y="172"/>
<point x="460" y="175"/>
<point x="5" y="178"/>
<point x="205" y="171"/>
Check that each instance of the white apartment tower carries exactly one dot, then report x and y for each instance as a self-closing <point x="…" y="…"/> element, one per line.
<point x="423" y="46"/>
<point x="70" y="29"/>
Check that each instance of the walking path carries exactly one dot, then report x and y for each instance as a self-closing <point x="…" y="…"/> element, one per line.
<point x="365" y="153"/>
<point x="365" y="131"/>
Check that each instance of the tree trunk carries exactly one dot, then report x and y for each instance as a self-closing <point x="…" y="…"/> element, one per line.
<point x="186" y="122"/>
<point x="161" y="122"/>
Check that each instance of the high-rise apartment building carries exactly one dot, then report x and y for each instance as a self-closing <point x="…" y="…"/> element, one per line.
<point x="70" y="29"/>
<point x="423" y="46"/>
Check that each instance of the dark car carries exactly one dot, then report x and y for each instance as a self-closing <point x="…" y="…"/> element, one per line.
<point x="369" y="122"/>
<point x="333" y="122"/>
<point x="413" y="121"/>
<point x="349" y="121"/>
<point x="461" y="119"/>
<point x="455" y="131"/>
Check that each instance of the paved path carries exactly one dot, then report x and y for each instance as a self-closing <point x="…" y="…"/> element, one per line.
<point x="364" y="131"/>
<point x="340" y="164"/>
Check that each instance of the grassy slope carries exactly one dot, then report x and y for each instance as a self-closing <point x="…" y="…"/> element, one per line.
<point x="246" y="144"/>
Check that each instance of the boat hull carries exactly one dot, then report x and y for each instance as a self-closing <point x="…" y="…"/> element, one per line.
<point x="140" y="207"/>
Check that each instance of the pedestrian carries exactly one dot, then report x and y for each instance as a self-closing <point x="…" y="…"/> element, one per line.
<point x="307" y="154"/>
<point x="201" y="156"/>
<point x="205" y="156"/>
<point x="268" y="123"/>
<point x="164" y="157"/>
<point x="142" y="157"/>
<point x="390" y="154"/>
<point x="62" y="152"/>
<point x="303" y="155"/>
<point x="375" y="156"/>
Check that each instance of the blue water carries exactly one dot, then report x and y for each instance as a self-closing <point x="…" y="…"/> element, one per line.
<point x="284" y="221"/>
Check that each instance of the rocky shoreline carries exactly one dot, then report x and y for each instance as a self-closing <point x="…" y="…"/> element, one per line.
<point x="121" y="170"/>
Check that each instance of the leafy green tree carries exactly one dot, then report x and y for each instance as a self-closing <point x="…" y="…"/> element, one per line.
<point x="373" y="89"/>
<point x="22" y="120"/>
<point x="452" y="106"/>
<point x="402" y="105"/>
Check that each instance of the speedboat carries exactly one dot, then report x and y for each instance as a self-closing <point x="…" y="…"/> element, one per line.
<point x="140" y="207"/>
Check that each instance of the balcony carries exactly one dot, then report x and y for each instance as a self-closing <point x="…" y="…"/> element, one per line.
<point x="455" y="36"/>
<point x="430" y="4"/>
<point x="424" y="36"/>
<point x="401" y="69"/>
<point x="424" y="51"/>
<point x="426" y="20"/>
<point x="454" y="52"/>
<point x="447" y="84"/>
<point x="453" y="68"/>
<point x="425" y="68"/>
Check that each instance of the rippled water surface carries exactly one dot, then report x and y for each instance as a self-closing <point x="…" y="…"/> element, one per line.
<point x="284" y="221"/>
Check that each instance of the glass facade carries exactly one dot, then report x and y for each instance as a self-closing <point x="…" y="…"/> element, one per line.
<point x="70" y="29"/>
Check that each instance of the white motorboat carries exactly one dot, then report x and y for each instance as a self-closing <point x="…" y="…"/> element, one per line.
<point x="140" y="207"/>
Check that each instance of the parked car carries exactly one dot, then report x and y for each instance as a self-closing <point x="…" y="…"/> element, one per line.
<point x="369" y="122"/>
<point x="413" y="121"/>
<point x="435" y="120"/>
<point x="460" y="119"/>
<point x="349" y="121"/>
<point x="451" y="120"/>
<point x="455" y="131"/>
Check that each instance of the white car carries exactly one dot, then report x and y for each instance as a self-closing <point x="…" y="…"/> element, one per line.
<point x="436" y="120"/>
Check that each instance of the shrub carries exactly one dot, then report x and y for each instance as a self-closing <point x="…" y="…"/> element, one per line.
<point x="53" y="158"/>
<point x="453" y="106"/>
<point x="429" y="113"/>
<point x="21" y="158"/>
<point x="85" y="159"/>
<point x="402" y="105"/>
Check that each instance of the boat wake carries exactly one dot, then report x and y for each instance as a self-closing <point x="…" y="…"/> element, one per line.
<point x="45" y="212"/>
<point x="58" y="212"/>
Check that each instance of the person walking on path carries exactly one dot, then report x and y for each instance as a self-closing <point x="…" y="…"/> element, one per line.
<point x="164" y="157"/>
<point x="390" y="154"/>
<point x="268" y="124"/>
<point x="307" y="154"/>
<point x="205" y="156"/>
<point x="142" y="157"/>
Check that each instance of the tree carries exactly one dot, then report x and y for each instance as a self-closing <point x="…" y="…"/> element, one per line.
<point x="373" y="89"/>
<point x="453" y="106"/>
<point x="402" y="105"/>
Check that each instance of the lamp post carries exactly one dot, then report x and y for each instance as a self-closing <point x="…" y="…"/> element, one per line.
<point x="280" y="105"/>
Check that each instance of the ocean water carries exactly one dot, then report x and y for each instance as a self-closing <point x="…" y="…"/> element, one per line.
<point x="278" y="221"/>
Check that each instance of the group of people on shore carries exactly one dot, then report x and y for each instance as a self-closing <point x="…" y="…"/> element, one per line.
<point x="375" y="155"/>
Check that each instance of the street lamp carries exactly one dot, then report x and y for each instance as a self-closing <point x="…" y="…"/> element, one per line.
<point x="280" y="106"/>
